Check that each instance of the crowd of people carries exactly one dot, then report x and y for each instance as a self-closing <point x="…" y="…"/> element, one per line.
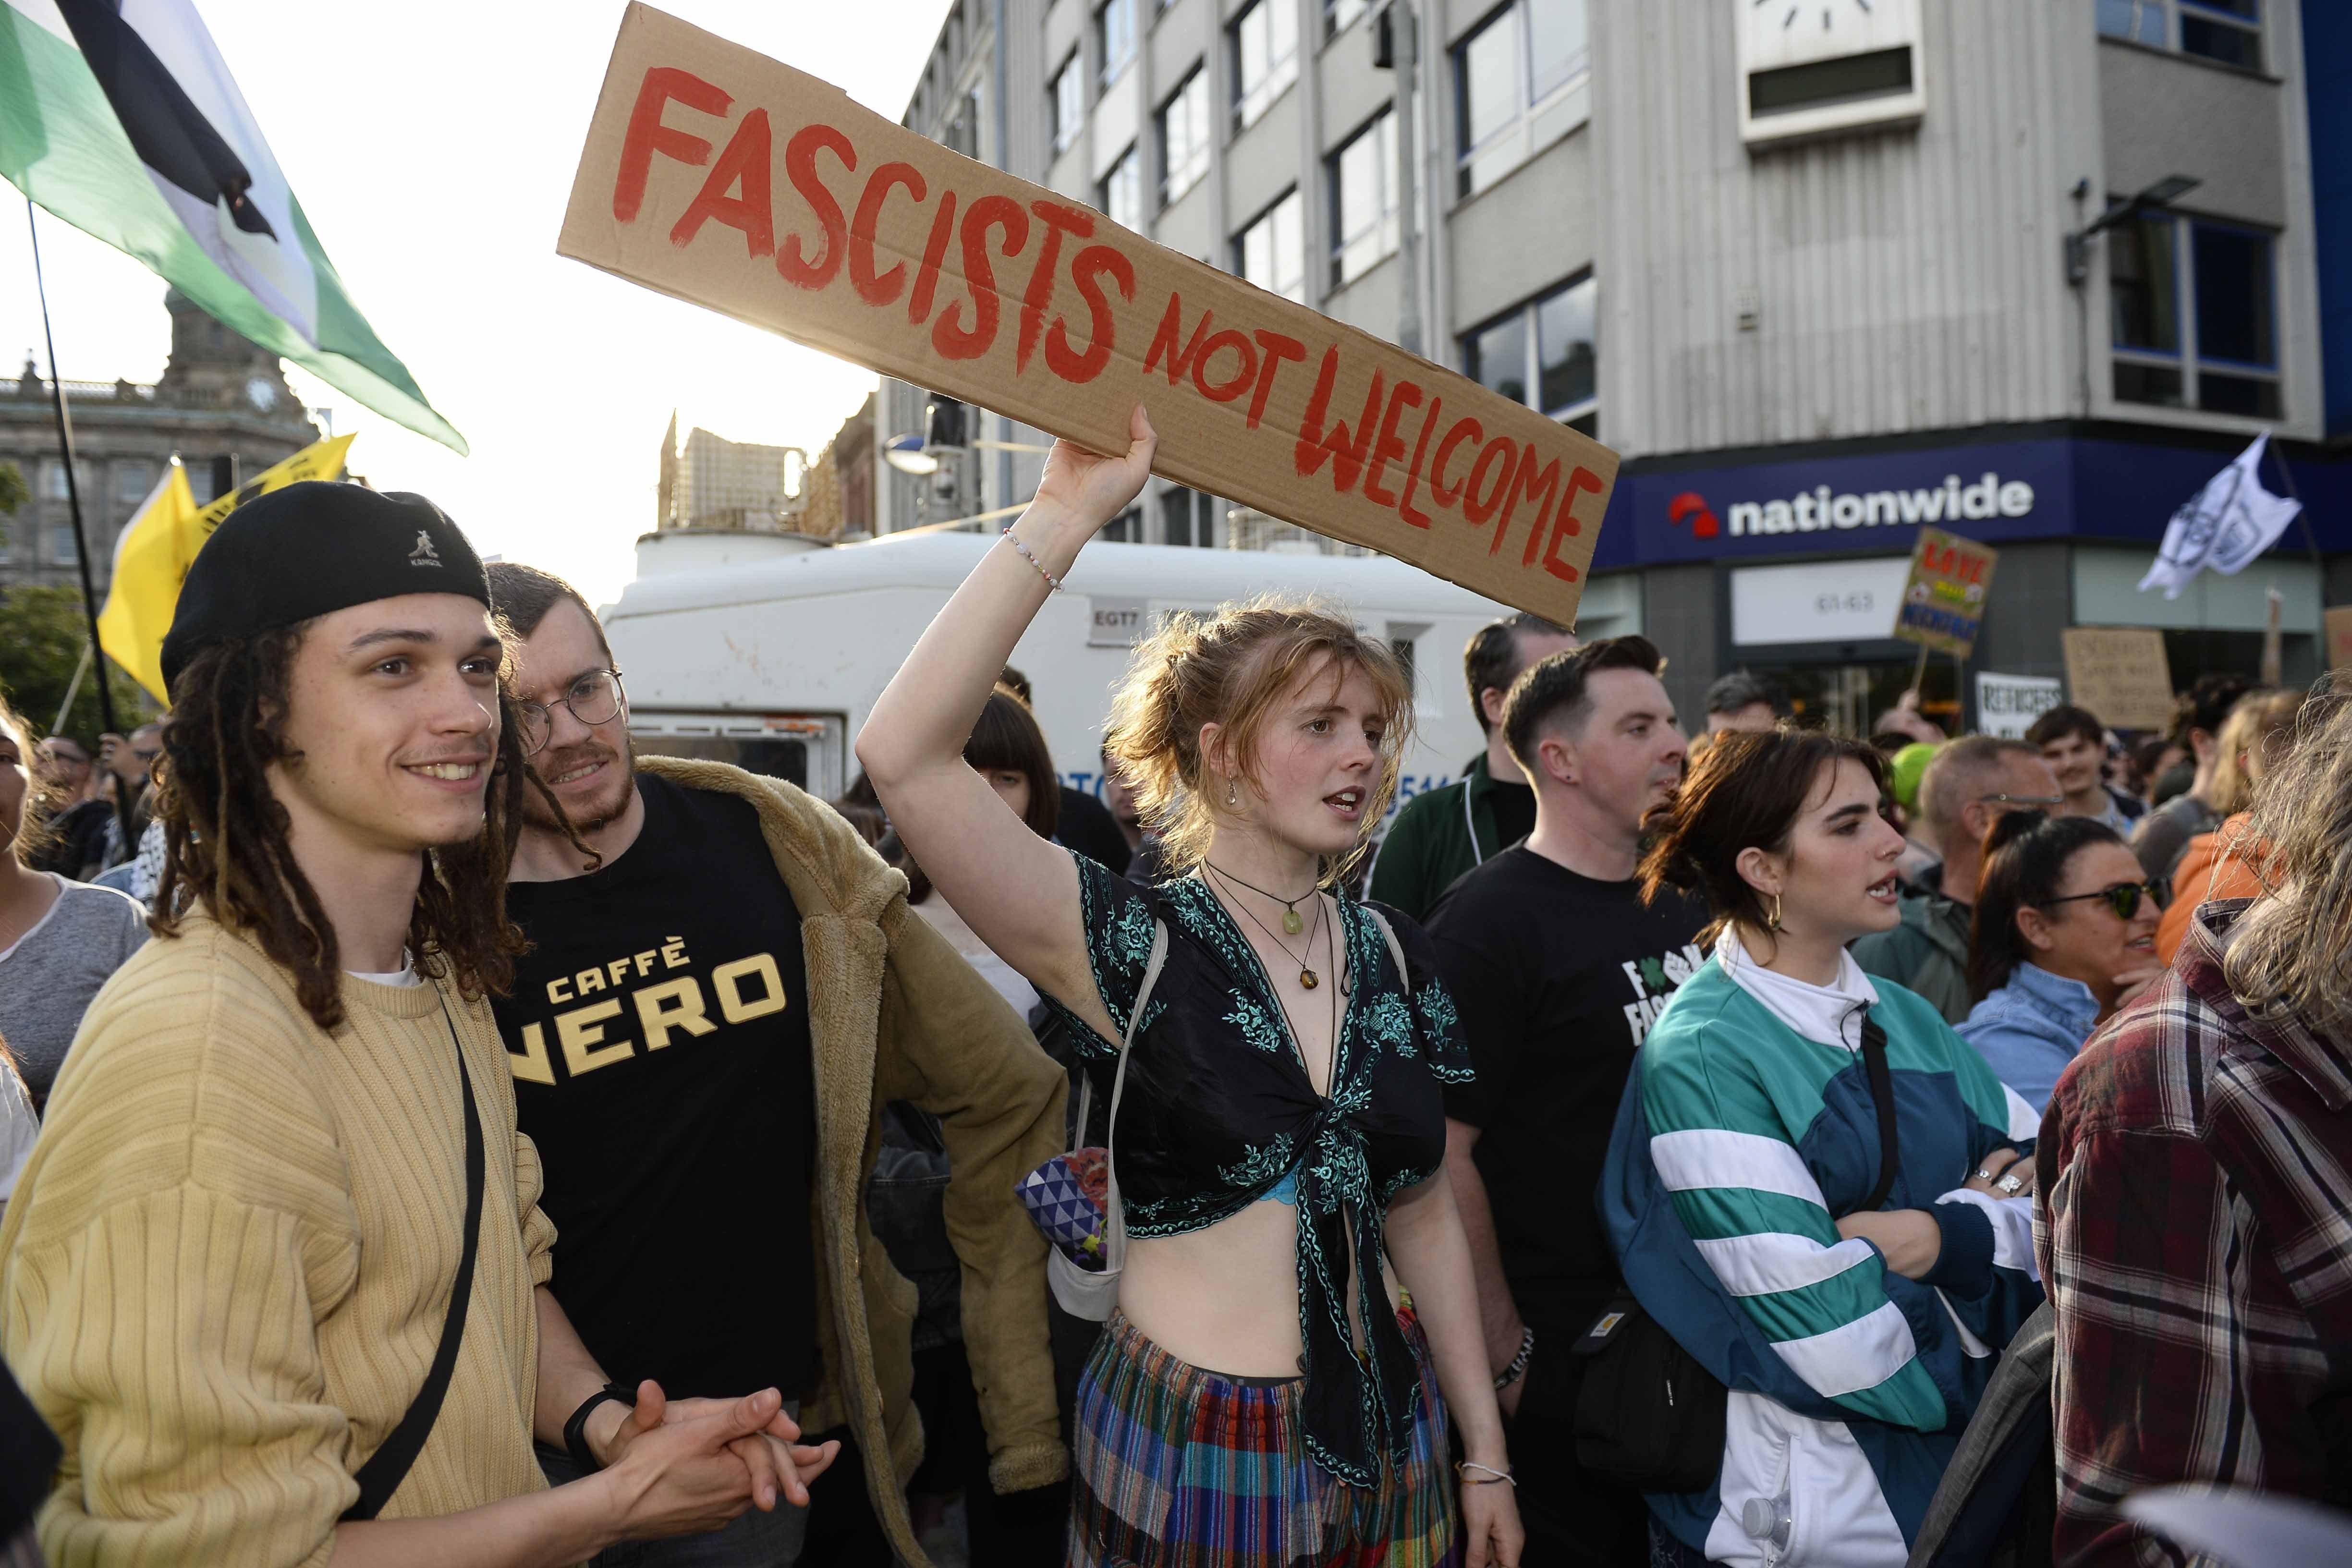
<point x="432" y="1131"/>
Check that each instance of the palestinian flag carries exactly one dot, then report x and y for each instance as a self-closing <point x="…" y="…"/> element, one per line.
<point x="120" y="116"/>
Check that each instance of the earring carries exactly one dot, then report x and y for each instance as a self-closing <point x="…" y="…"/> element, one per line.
<point x="1233" y="794"/>
<point x="1772" y="921"/>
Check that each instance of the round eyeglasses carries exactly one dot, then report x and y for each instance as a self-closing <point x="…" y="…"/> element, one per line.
<point x="594" y="699"/>
<point x="2123" y="897"/>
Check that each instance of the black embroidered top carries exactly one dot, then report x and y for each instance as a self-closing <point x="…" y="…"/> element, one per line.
<point x="1219" y="1109"/>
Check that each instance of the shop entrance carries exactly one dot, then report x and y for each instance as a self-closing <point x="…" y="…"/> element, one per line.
<point x="1844" y="698"/>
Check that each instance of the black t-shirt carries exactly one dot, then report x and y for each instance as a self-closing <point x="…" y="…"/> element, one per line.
<point x="659" y="1032"/>
<point x="1514" y="806"/>
<point x="1084" y="825"/>
<point x="1559" y="978"/>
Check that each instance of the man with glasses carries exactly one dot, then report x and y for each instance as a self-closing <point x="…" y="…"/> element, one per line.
<point x="721" y="992"/>
<point x="74" y="818"/>
<point x="1971" y="781"/>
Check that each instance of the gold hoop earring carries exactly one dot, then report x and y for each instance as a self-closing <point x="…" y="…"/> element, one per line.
<point x="1772" y="921"/>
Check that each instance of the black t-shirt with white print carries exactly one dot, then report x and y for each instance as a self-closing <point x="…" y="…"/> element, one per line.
<point x="1559" y="978"/>
<point x="658" y="1033"/>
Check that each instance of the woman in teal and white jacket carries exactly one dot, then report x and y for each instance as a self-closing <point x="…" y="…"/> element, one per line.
<point x="1855" y="1334"/>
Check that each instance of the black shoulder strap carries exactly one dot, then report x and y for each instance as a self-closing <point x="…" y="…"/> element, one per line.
<point x="389" y="1465"/>
<point x="1882" y="1096"/>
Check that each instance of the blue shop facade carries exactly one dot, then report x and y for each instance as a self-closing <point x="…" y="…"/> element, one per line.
<point x="1791" y="559"/>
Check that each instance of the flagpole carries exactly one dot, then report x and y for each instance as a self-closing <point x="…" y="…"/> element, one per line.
<point x="2303" y="515"/>
<point x="81" y="543"/>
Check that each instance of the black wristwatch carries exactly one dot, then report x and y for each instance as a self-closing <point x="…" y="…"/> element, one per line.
<point x="576" y="1431"/>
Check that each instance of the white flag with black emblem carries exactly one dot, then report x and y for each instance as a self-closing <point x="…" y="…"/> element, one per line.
<point x="2224" y="526"/>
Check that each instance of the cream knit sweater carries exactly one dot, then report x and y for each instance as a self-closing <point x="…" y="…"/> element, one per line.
<point x="224" y="1271"/>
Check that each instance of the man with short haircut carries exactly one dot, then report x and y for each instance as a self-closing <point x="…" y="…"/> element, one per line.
<point x="2074" y="743"/>
<point x="2195" y="1170"/>
<point x="1744" y="700"/>
<point x="711" y="1014"/>
<point x="1969" y="783"/>
<point x="2164" y="833"/>
<point x="277" y="1270"/>
<point x="1559" y="970"/>
<point x="1442" y="832"/>
<point x="74" y="828"/>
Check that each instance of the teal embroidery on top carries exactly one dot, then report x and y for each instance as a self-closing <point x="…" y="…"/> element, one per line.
<point x="1259" y="1162"/>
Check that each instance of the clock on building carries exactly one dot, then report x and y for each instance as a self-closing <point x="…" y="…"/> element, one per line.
<point x="1818" y="68"/>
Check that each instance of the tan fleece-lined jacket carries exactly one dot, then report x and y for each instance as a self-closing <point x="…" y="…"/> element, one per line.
<point x="895" y="1013"/>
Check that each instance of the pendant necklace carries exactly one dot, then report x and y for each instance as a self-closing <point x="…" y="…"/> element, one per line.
<point x="1292" y="923"/>
<point x="1307" y="975"/>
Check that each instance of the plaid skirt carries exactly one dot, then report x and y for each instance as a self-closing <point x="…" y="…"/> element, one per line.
<point x="1180" y="1468"/>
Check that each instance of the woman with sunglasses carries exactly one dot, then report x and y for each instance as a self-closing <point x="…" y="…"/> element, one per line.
<point x="2064" y="936"/>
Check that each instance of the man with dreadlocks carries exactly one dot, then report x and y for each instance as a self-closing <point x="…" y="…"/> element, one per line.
<point x="276" y="1266"/>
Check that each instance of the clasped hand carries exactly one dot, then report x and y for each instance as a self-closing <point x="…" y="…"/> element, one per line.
<point x="679" y="1467"/>
<point x="1910" y="1239"/>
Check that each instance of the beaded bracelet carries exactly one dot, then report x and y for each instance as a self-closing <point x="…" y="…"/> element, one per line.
<point x="1028" y="555"/>
<point x="1518" y="1366"/>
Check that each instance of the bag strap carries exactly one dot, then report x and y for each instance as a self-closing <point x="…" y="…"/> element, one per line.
<point x="1114" y="1211"/>
<point x="389" y="1465"/>
<point x="1882" y="1096"/>
<point x="1396" y="948"/>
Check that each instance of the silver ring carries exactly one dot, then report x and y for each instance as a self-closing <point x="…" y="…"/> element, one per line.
<point x="2009" y="1184"/>
<point x="1983" y="1174"/>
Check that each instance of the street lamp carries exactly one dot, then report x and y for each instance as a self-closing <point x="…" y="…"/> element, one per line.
<point x="2157" y="197"/>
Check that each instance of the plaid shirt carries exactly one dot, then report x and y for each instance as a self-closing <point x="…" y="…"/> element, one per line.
<point x="2196" y="1243"/>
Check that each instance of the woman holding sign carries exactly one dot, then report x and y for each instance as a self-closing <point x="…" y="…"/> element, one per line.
<point x="1260" y="1396"/>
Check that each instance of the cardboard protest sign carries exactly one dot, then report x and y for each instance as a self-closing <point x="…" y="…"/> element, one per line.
<point x="2338" y="623"/>
<point x="2007" y="705"/>
<point x="721" y="176"/>
<point x="1944" y="600"/>
<point x="2120" y="674"/>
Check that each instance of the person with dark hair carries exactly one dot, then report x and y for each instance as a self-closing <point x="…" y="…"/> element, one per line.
<point x="1559" y="969"/>
<point x="70" y="816"/>
<point x="1970" y="784"/>
<point x="2164" y="833"/>
<point x="2152" y="759"/>
<point x="716" y="1001"/>
<point x="1082" y="823"/>
<point x="277" y="1270"/>
<point x="2064" y="936"/>
<point x="2074" y="743"/>
<point x="1442" y="832"/>
<point x="1261" y="1392"/>
<point x="1745" y="700"/>
<point x="1826" y="1154"/>
<point x="2196" y="1169"/>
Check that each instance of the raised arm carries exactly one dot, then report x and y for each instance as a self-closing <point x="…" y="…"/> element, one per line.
<point x="1017" y="891"/>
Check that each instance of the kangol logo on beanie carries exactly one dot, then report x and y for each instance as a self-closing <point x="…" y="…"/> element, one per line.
<point x="424" y="554"/>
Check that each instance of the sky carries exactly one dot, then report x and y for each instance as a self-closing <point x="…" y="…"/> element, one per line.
<point x="432" y="145"/>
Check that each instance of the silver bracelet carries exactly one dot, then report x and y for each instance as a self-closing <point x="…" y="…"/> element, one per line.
<point x="1518" y="1366"/>
<point x="1031" y="557"/>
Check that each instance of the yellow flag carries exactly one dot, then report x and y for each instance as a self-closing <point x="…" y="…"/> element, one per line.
<point x="158" y="544"/>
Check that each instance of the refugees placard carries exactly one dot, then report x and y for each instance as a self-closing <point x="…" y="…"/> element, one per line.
<point x="2120" y="674"/>
<point x="1944" y="600"/>
<point x="723" y="177"/>
<point x="2007" y="705"/>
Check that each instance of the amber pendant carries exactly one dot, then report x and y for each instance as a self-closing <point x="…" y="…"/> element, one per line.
<point x="1292" y="924"/>
<point x="1309" y="978"/>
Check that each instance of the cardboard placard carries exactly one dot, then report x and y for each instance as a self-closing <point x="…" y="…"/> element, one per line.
<point x="1944" y="599"/>
<point x="2338" y="623"/>
<point x="2120" y="674"/>
<point x="2007" y="705"/>
<point x="716" y="175"/>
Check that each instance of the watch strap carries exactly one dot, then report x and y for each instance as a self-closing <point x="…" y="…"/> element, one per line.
<point x="575" y="1431"/>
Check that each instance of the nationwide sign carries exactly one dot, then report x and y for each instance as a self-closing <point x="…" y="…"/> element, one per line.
<point x="726" y="178"/>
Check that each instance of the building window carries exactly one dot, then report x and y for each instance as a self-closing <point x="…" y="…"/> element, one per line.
<point x="1115" y="34"/>
<point x="1543" y="354"/>
<point x="1266" y="57"/>
<point x="1339" y="14"/>
<point x="1184" y="136"/>
<point x="1272" y="251"/>
<point x="961" y="132"/>
<point x="1176" y="510"/>
<point x="52" y="478"/>
<point x="2229" y="31"/>
<point x="1126" y="528"/>
<point x="1122" y="190"/>
<point x="61" y="544"/>
<point x="1066" y="95"/>
<point x="132" y="482"/>
<point x="2194" y="316"/>
<point x="1520" y="81"/>
<point x="1363" y="175"/>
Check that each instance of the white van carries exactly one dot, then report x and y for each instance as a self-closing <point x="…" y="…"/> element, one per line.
<point x="768" y="652"/>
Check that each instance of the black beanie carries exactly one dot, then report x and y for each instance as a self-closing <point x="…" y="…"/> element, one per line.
<point x="310" y="550"/>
